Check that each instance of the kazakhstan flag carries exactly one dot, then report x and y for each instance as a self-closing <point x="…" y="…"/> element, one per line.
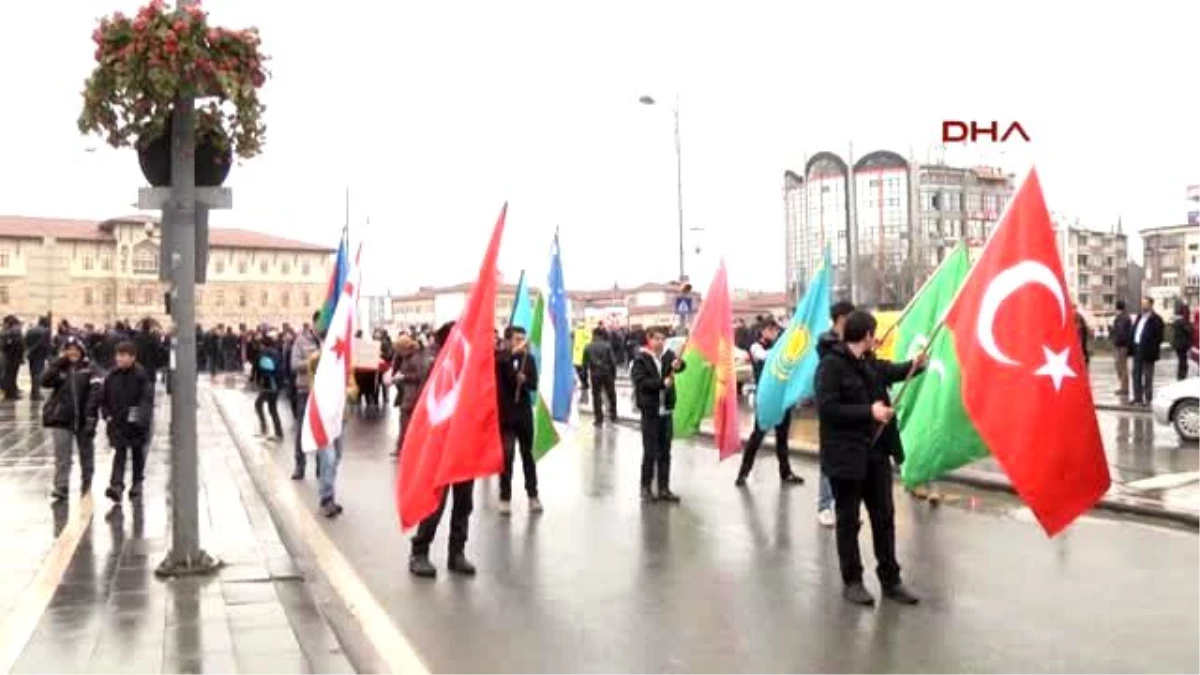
<point x="791" y="368"/>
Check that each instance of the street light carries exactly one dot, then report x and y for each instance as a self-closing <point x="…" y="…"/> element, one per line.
<point x="649" y="100"/>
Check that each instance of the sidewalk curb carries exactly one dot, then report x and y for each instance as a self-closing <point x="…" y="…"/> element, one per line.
<point x="978" y="479"/>
<point x="344" y="613"/>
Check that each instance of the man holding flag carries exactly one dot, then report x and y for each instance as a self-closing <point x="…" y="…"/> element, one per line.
<point x="758" y="357"/>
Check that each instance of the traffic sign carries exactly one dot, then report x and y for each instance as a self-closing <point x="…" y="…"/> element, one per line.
<point x="683" y="305"/>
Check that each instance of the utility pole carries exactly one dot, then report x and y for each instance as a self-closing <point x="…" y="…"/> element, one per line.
<point x="180" y="217"/>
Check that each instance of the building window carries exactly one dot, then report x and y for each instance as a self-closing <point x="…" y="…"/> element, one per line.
<point x="147" y="297"/>
<point x="242" y="298"/>
<point x="242" y="267"/>
<point x="286" y="268"/>
<point x="106" y="263"/>
<point x="286" y="298"/>
<point x="1083" y="260"/>
<point x="1108" y="280"/>
<point x="306" y="268"/>
<point x="220" y="298"/>
<point x="307" y="299"/>
<point x="1083" y="299"/>
<point x="108" y="295"/>
<point x="88" y="263"/>
<point x="129" y="296"/>
<point x="88" y="297"/>
<point x="264" y="298"/>
<point x="263" y="266"/>
<point x="4" y="261"/>
<point x="4" y="295"/>
<point x="145" y="261"/>
<point x="220" y="265"/>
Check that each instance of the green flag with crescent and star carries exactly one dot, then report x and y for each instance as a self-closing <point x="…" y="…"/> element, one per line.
<point x="937" y="434"/>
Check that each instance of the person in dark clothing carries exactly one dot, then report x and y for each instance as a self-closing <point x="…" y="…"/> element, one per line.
<point x="1147" y="346"/>
<point x="71" y="414"/>
<point x="838" y="314"/>
<point x="464" y="503"/>
<point x="127" y="404"/>
<point x="758" y="359"/>
<point x="653" y="374"/>
<point x="150" y="355"/>
<point x="1121" y="337"/>
<point x="409" y="368"/>
<point x="516" y="384"/>
<point x="37" y="351"/>
<point x="601" y="366"/>
<point x="1182" y="332"/>
<point x="857" y="453"/>
<point x="1085" y="336"/>
<point x="12" y="349"/>
<point x="267" y="367"/>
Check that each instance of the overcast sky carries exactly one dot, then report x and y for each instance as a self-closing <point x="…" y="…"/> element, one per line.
<point x="435" y="113"/>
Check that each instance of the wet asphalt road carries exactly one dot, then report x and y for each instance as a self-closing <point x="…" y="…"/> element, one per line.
<point x="745" y="580"/>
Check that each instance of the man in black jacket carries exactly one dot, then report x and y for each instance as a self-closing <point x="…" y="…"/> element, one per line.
<point x="1182" y="332"/>
<point x="127" y="404"/>
<point x="37" y="351"/>
<point x="71" y="414"/>
<point x="1121" y="337"/>
<point x="859" y="439"/>
<point x="12" y="349"/>
<point x="516" y="384"/>
<point x="601" y="365"/>
<point x="1147" y="344"/>
<point x="653" y="374"/>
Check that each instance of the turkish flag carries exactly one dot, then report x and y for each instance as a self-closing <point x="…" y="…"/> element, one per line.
<point x="1024" y="381"/>
<point x="455" y="430"/>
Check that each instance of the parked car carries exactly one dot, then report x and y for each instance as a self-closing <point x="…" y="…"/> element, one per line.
<point x="1178" y="404"/>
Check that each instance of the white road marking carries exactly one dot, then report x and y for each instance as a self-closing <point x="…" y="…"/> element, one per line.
<point x="1165" y="481"/>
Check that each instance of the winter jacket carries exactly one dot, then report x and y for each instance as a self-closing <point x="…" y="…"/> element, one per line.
<point x="127" y="405"/>
<point x="75" y="399"/>
<point x="650" y="393"/>
<point x="305" y="345"/>
<point x="514" y="399"/>
<point x="1181" y="334"/>
<point x="408" y="374"/>
<point x="37" y="344"/>
<point x="599" y="359"/>
<point x="847" y="387"/>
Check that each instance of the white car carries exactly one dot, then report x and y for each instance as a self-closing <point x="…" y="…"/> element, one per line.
<point x="1178" y="404"/>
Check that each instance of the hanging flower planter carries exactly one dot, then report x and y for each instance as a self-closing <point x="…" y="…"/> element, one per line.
<point x="144" y="63"/>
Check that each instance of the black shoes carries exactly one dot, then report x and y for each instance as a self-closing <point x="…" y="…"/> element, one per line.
<point x="792" y="479"/>
<point x="900" y="594"/>
<point x="113" y="492"/>
<point x="58" y="494"/>
<point x="298" y="474"/>
<point x="859" y="595"/>
<point x="135" y="492"/>
<point x="668" y="496"/>
<point x="85" y="488"/>
<point x="459" y="564"/>
<point x="331" y="509"/>
<point x="741" y="481"/>
<point x="420" y="566"/>
<point x="647" y="495"/>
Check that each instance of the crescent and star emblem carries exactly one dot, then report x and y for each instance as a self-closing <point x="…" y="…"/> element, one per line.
<point x="1006" y="284"/>
<point x="918" y="345"/>
<point x="792" y="350"/>
<point x="441" y="394"/>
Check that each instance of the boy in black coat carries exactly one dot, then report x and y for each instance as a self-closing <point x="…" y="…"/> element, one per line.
<point x="71" y="414"/>
<point x="516" y="382"/>
<point x="653" y="374"/>
<point x="127" y="403"/>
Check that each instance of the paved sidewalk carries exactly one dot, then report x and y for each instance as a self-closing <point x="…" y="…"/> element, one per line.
<point x="87" y="600"/>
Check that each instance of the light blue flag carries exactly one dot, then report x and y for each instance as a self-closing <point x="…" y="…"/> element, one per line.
<point x="789" y="373"/>
<point x="557" y="356"/>
<point x="522" y="309"/>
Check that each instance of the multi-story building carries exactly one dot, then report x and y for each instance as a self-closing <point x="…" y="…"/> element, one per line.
<point x="1193" y="209"/>
<point x="100" y="272"/>
<point x="1171" y="261"/>
<point x="905" y="218"/>
<point x="1095" y="267"/>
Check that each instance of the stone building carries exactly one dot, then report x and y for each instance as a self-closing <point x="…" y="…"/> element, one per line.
<point x="102" y="271"/>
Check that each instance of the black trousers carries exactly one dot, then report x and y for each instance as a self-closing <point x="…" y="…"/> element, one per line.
<point x="1181" y="370"/>
<point x="1143" y="380"/>
<point x="298" y="406"/>
<point x="656" y="449"/>
<point x="521" y="437"/>
<point x="36" y="368"/>
<point x="121" y="449"/>
<point x="781" y="447"/>
<point x="604" y="387"/>
<point x="460" y="513"/>
<point x="271" y="400"/>
<point x="875" y="491"/>
<point x="8" y="380"/>
<point x="583" y="377"/>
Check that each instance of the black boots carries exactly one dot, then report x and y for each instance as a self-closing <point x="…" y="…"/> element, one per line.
<point x="420" y="565"/>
